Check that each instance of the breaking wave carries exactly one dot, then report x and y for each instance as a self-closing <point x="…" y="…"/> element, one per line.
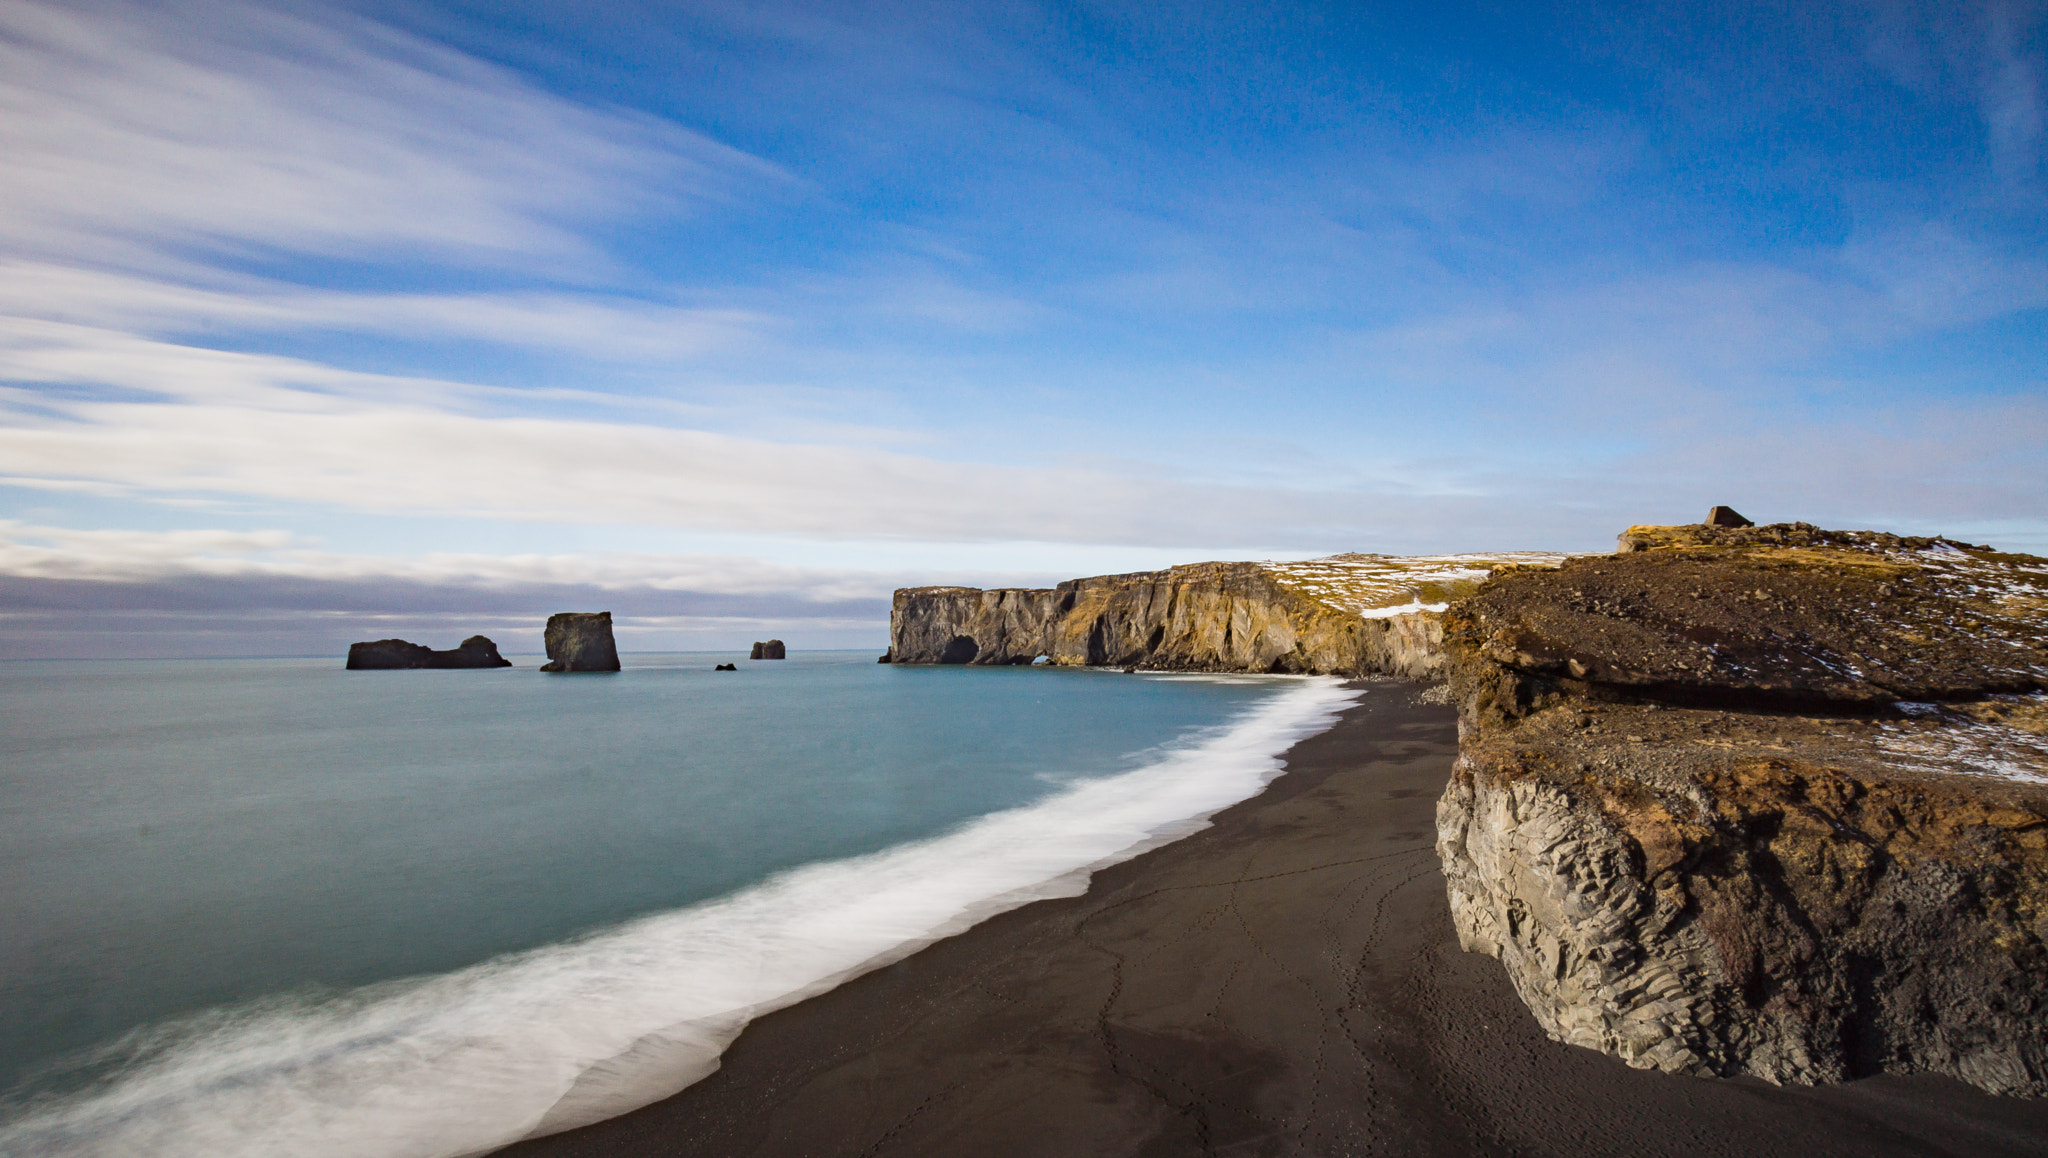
<point x="557" y="1037"/>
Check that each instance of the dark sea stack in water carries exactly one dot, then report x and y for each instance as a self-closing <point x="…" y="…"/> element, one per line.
<point x="397" y="654"/>
<point x="725" y="667"/>
<point x="580" y="641"/>
<point x="772" y="649"/>
<point x="884" y="658"/>
<point x="476" y="651"/>
<point x="1762" y="800"/>
<point x="387" y="655"/>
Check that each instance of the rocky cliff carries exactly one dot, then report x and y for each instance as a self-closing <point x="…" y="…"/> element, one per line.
<point x="580" y="641"/>
<point x="1762" y="800"/>
<point x="397" y="655"/>
<point x="1349" y="614"/>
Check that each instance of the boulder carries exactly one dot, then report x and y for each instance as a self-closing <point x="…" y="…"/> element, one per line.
<point x="1726" y="517"/>
<point x="725" y="667"/>
<point x="772" y="649"/>
<point x="397" y="655"/>
<point x="581" y="641"/>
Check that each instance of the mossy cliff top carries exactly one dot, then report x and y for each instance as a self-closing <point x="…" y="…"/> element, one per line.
<point x="1380" y="585"/>
<point x="1787" y="615"/>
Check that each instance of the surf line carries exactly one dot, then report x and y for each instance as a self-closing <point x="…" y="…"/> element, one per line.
<point x="557" y="1037"/>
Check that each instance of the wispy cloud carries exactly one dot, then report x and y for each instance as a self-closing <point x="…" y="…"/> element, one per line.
<point x="30" y="551"/>
<point x="229" y="128"/>
<point x="155" y="419"/>
<point x="595" y="327"/>
<point x="1017" y="281"/>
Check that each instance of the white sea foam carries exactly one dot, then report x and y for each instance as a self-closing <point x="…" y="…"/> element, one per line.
<point x="569" y="1034"/>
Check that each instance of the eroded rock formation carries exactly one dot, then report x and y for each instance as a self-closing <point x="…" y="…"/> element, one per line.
<point x="772" y="649"/>
<point x="581" y="641"/>
<point x="397" y="654"/>
<point x="1762" y="800"/>
<point x="1348" y="614"/>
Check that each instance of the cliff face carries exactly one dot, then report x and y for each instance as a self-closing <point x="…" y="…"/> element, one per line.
<point x="1203" y="617"/>
<point x="1762" y="800"/>
<point x="580" y="641"/>
<point x="1348" y="614"/>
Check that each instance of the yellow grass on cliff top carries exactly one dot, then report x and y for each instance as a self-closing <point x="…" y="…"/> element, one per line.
<point x="1381" y="585"/>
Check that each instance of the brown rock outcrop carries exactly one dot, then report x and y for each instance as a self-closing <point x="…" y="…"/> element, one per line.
<point x="1199" y="617"/>
<point x="579" y="641"/>
<point x="1764" y="800"/>
<point x="1351" y="614"/>
<point x="771" y="649"/>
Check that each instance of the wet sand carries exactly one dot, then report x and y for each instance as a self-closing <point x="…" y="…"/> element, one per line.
<point x="1285" y="982"/>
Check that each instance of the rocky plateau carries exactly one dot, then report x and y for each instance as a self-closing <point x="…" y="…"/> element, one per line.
<point x="1762" y="800"/>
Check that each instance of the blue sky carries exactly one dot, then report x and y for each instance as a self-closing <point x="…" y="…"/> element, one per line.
<point x="325" y="321"/>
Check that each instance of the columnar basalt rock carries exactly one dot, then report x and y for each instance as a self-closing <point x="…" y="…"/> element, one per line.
<point x="581" y="641"/>
<point x="1767" y="801"/>
<point x="397" y="654"/>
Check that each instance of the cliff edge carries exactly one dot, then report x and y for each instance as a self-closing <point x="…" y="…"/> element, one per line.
<point x="1762" y="800"/>
<point x="1347" y="614"/>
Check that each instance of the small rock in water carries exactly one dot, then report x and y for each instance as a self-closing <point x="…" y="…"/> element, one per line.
<point x="772" y="649"/>
<point x="726" y="667"/>
<point x="884" y="658"/>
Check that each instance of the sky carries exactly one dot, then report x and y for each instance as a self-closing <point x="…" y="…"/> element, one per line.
<point x="323" y="322"/>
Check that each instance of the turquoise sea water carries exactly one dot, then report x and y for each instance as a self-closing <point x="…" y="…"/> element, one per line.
<point x="271" y="906"/>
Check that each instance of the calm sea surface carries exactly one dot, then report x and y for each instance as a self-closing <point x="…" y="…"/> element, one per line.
<point x="270" y="906"/>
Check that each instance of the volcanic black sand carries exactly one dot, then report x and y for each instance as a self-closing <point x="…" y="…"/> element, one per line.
<point x="1285" y="982"/>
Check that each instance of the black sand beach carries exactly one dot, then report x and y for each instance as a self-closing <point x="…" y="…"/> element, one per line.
<point x="1285" y="982"/>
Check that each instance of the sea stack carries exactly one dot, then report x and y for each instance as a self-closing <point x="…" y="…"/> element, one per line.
<point x="770" y="650"/>
<point x="581" y="641"/>
<point x="399" y="655"/>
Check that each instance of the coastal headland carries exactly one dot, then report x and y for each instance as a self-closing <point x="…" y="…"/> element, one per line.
<point x="1757" y="815"/>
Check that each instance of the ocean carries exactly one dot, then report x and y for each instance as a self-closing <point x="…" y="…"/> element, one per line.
<point x="261" y="907"/>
